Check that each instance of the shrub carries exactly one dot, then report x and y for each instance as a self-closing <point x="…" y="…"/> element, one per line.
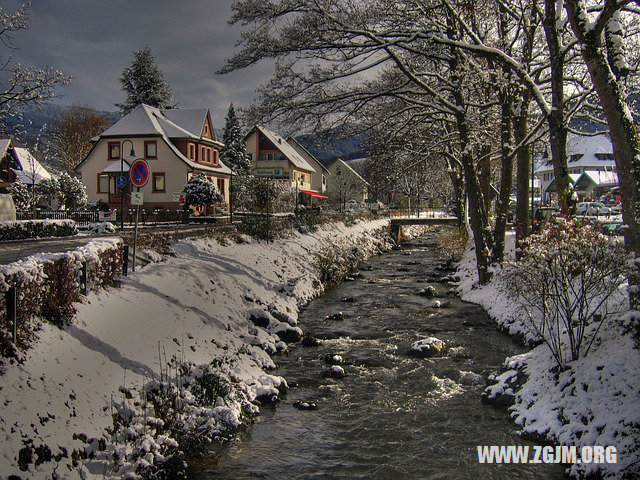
<point x="451" y="243"/>
<point x="566" y="281"/>
<point x="109" y="266"/>
<point x="62" y="291"/>
<point x="24" y="229"/>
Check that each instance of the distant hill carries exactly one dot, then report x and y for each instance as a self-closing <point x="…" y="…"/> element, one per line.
<point x="330" y="145"/>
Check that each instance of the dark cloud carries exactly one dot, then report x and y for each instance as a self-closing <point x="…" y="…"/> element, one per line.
<point x="92" y="41"/>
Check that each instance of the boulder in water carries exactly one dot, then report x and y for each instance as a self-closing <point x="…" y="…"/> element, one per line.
<point x="336" y="371"/>
<point x="336" y="316"/>
<point x="333" y="359"/>
<point x="300" y="405"/>
<point x="310" y="341"/>
<point x="428" y="292"/>
<point x="429" y="347"/>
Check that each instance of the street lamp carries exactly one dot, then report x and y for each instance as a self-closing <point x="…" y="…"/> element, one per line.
<point x="338" y="172"/>
<point x="132" y="154"/>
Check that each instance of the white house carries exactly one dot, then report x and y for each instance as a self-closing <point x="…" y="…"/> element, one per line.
<point x="320" y="174"/>
<point x="345" y="183"/>
<point x="591" y="165"/>
<point x="19" y="165"/>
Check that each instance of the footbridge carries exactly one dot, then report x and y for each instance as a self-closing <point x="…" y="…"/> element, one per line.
<point x="396" y="223"/>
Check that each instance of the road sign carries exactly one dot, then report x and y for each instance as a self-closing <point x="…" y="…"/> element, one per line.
<point x="139" y="173"/>
<point x="137" y="198"/>
<point x="121" y="181"/>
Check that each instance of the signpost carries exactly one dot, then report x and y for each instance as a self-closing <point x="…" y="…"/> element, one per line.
<point x="139" y="174"/>
<point x="121" y="181"/>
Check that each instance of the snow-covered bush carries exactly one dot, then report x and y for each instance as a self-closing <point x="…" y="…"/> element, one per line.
<point x="200" y="191"/>
<point x="22" y="195"/>
<point x="175" y="416"/>
<point x="47" y="191"/>
<point x="73" y="194"/>
<point x="567" y="281"/>
<point x="23" y="229"/>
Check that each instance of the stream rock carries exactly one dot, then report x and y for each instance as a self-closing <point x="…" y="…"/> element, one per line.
<point x="429" y="347"/>
<point x="428" y="292"/>
<point x="336" y="316"/>
<point x="300" y="405"/>
<point x="336" y="371"/>
<point x="333" y="359"/>
<point x="310" y="341"/>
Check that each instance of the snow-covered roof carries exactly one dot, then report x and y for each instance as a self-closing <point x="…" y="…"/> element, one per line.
<point x="288" y="151"/>
<point x="172" y="123"/>
<point x="30" y="169"/>
<point x="296" y="144"/>
<point x="585" y="151"/>
<point x="573" y="178"/>
<point x="114" y="167"/>
<point x="598" y="178"/>
<point x="346" y="165"/>
<point x="4" y="144"/>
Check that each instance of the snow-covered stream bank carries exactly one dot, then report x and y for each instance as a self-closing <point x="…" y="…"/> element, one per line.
<point x="596" y="402"/>
<point x="196" y="306"/>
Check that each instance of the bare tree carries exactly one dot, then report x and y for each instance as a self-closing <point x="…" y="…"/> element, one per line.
<point x="20" y="85"/>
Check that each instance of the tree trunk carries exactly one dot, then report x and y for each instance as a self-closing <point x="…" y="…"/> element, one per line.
<point x="624" y="135"/>
<point x="484" y="175"/>
<point x="557" y="125"/>
<point x="506" y="176"/>
<point x="523" y="177"/>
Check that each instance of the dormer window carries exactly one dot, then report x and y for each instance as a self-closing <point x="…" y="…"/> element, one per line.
<point x="192" y="151"/>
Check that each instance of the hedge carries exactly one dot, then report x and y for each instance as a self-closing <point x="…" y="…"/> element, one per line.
<point x="24" y="229"/>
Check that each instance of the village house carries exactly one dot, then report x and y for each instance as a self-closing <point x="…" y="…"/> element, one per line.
<point x="19" y="165"/>
<point x="176" y="143"/>
<point x="273" y="157"/>
<point x="320" y="174"/>
<point x="345" y="184"/>
<point x="592" y="168"/>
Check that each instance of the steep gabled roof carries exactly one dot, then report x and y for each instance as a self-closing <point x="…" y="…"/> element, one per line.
<point x="172" y="123"/>
<point x="288" y="151"/>
<point x="585" y="151"/>
<point x="296" y="144"/>
<point x="29" y="168"/>
<point x="599" y="178"/>
<point x="346" y="165"/>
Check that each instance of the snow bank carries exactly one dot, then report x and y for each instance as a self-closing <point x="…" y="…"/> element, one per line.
<point x="594" y="402"/>
<point x="195" y="306"/>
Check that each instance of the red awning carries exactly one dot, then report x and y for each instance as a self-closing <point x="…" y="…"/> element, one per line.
<point x="311" y="193"/>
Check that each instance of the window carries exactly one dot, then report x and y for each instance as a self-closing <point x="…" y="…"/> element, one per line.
<point x="221" y="186"/>
<point x="103" y="183"/>
<point x="158" y="182"/>
<point x="215" y="157"/>
<point x="114" y="150"/>
<point x="324" y="180"/>
<point x="150" y="149"/>
<point x="208" y="155"/>
<point x="192" y="151"/>
<point x="202" y="154"/>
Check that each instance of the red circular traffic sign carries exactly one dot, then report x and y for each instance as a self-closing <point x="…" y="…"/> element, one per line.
<point x="139" y="173"/>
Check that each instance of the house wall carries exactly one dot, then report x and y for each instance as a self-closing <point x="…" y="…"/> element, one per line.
<point x="346" y="184"/>
<point x="318" y="177"/>
<point x="175" y="172"/>
<point x="264" y="168"/>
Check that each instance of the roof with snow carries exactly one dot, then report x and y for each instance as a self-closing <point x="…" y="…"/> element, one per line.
<point x="30" y="169"/>
<point x="346" y="165"/>
<point x="4" y="144"/>
<point x="599" y="178"/>
<point x="573" y="178"/>
<point x="288" y="151"/>
<point x="585" y="151"/>
<point x="170" y="123"/>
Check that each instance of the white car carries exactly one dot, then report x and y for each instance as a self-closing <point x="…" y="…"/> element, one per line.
<point x="592" y="208"/>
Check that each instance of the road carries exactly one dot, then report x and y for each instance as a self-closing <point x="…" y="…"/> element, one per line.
<point x="17" y="250"/>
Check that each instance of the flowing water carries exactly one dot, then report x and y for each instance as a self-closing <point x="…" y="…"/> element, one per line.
<point x="393" y="416"/>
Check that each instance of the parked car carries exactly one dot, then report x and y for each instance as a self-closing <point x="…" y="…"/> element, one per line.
<point x="613" y="228"/>
<point x="616" y="209"/>
<point x="592" y="209"/>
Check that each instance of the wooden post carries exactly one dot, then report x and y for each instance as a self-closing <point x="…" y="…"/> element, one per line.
<point x="135" y="239"/>
<point x="12" y="311"/>
<point x="125" y="261"/>
<point x="85" y="279"/>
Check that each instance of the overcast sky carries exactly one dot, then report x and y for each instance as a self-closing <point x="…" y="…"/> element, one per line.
<point x="92" y="41"/>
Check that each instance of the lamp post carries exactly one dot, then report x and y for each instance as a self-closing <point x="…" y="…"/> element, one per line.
<point x="338" y="172"/>
<point x="299" y="181"/>
<point x="132" y="154"/>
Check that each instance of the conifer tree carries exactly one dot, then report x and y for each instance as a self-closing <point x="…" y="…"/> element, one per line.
<point x="143" y="82"/>
<point x="233" y="153"/>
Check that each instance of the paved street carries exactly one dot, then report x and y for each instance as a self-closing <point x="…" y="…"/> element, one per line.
<point x="16" y="250"/>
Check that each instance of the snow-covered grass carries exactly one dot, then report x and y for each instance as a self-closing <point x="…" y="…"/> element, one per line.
<point x="595" y="401"/>
<point x="200" y="306"/>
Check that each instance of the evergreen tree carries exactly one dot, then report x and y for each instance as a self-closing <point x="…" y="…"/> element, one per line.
<point x="143" y="82"/>
<point x="233" y="153"/>
<point x="200" y="191"/>
<point x="73" y="194"/>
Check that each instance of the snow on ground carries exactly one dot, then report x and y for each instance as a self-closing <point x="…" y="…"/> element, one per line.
<point x="595" y="402"/>
<point x="196" y="305"/>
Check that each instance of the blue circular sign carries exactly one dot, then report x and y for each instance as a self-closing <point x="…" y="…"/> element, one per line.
<point x="139" y="173"/>
<point x="121" y="181"/>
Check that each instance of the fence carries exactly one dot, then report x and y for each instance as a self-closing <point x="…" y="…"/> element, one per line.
<point x="80" y="217"/>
